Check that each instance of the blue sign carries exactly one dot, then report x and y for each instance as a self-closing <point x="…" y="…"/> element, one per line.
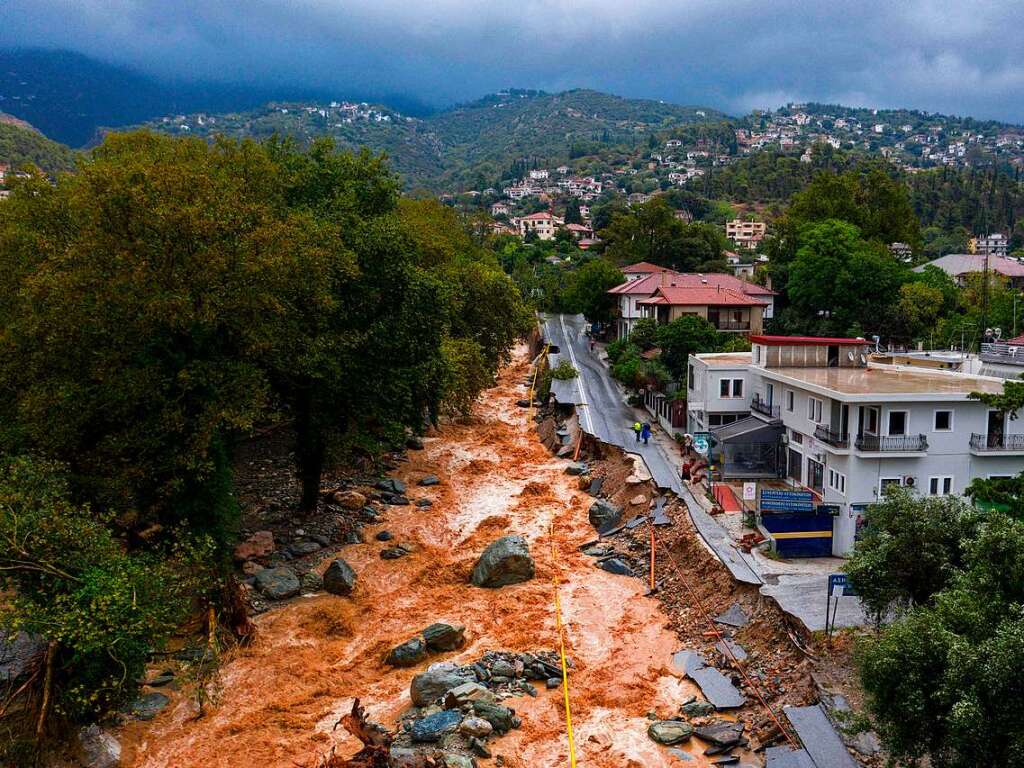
<point x="787" y="501"/>
<point x="842" y="582"/>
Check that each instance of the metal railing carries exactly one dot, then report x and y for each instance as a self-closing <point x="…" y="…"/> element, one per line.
<point x="765" y="409"/>
<point x="997" y="442"/>
<point x="831" y="436"/>
<point x="1001" y="353"/>
<point x="874" y="443"/>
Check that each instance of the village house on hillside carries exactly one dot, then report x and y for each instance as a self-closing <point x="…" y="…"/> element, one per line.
<point x="543" y="224"/>
<point x="960" y="265"/>
<point x="746" y="234"/>
<point x="735" y="305"/>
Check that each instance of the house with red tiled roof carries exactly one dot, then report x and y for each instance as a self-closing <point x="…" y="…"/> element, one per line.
<point x="725" y="308"/>
<point x="644" y="279"/>
<point x="543" y="224"/>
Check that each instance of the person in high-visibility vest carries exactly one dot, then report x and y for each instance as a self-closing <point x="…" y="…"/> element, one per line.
<point x="637" y="427"/>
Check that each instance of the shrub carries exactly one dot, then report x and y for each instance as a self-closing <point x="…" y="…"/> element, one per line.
<point x="564" y="371"/>
<point x="102" y="608"/>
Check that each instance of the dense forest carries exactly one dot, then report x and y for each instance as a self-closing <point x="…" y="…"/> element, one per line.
<point x="20" y="145"/>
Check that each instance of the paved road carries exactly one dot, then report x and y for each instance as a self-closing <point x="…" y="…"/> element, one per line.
<point x="605" y="414"/>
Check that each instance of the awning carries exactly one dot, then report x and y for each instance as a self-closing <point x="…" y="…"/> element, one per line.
<point x="748" y="430"/>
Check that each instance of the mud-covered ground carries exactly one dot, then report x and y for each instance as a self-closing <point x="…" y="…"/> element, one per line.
<point x="281" y="697"/>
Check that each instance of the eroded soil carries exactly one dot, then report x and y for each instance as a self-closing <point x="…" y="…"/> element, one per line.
<point x="282" y="696"/>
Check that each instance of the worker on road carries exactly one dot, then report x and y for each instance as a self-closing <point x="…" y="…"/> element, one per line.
<point x="645" y="432"/>
<point x="637" y="429"/>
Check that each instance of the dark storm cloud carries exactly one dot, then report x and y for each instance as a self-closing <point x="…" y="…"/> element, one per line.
<point x="960" y="57"/>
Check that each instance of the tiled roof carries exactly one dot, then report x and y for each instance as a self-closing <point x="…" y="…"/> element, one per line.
<point x="644" y="266"/>
<point x="648" y="285"/>
<point x="959" y="263"/>
<point x="700" y="297"/>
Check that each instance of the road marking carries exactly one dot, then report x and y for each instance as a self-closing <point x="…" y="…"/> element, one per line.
<point x="579" y="378"/>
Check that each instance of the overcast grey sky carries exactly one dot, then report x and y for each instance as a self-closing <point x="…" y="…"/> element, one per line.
<point x="961" y="57"/>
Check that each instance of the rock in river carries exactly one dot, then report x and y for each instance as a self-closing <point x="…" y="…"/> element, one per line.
<point x="669" y="731"/>
<point x="505" y="561"/>
<point x="429" y="480"/>
<point x="349" y="499"/>
<point x="278" y="583"/>
<point x="260" y="544"/>
<point x="444" y="637"/>
<point x="391" y="485"/>
<point x="433" y="727"/>
<point x="604" y="515"/>
<point x="429" y="686"/>
<point x="101" y="750"/>
<point x="149" y="705"/>
<point x="408" y="654"/>
<point x="339" y="578"/>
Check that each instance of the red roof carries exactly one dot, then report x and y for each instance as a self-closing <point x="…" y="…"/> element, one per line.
<point x="540" y="216"/>
<point x="644" y="266"/>
<point x="805" y="341"/>
<point x="648" y="285"/>
<point x="701" y="297"/>
<point x="577" y="228"/>
<point x="1016" y="341"/>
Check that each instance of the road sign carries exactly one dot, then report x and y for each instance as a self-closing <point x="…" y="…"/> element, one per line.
<point x="750" y="491"/>
<point x="702" y="443"/>
<point x="829" y="509"/>
<point x="786" y="501"/>
<point x="840" y="582"/>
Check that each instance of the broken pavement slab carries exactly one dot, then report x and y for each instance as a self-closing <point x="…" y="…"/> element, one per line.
<point x="734" y="616"/>
<point x="786" y="757"/>
<point x="819" y="737"/>
<point x="716" y="687"/>
<point x="804" y="597"/>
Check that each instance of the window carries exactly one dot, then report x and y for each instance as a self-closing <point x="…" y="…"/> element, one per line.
<point x="690" y="378"/>
<point x="815" y="475"/>
<point x="886" y="482"/>
<point x="871" y="421"/>
<point x="837" y="481"/>
<point x="790" y="400"/>
<point x="796" y="437"/>
<point x="757" y="354"/>
<point x="897" y="423"/>
<point x="943" y="421"/>
<point x="940" y="486"/>
<point x="814" y="409"/>
<point x="730" y="388"/>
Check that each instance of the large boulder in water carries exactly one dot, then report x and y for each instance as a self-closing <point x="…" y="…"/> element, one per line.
<point x="339" y="578"/>
<point x="505" y="561"/>
<point x="278" y="583"/>
<point x="431" y="685"/>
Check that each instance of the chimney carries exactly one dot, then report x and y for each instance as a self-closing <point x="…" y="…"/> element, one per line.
<point x="664" y="278"/>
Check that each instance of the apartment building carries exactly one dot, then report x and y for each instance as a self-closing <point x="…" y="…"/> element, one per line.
<point x="992" y="245"/>
<point x="821" y="413"/>
<point x="746" y="234"/>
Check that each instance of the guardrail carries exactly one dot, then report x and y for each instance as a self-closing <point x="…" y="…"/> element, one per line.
<point x="733" y="325"/>
<point x="997" y="442"/>
<point x="902" y="443"/>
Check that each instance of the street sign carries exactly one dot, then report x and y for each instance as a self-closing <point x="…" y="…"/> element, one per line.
<point x="750" y="491"/>
<point x="702" y="443"/>
<point x="829" y="509"/>
<point x="786" y="501"/>
<point x="840" y="582"/>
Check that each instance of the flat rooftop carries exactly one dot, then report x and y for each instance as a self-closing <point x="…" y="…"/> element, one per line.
<point x="725" y="359"/>
<point x="888" y="382"/>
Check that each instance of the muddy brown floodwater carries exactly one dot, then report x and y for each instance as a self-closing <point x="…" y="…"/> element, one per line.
<point x="282" y="696"/>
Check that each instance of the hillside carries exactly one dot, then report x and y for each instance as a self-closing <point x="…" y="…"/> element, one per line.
<point x="21" y="144"/>
<point x="463" y="145"/>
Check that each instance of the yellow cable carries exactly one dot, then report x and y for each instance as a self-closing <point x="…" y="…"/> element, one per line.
<point x="561" y="650"/>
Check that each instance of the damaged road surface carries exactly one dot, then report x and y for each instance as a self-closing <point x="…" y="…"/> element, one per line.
<point x="282" y="698"/>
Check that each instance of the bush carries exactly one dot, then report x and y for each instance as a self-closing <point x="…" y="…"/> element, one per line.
<point x="71" y="582"/>
<point x="564" y="371"/>
<point x="645" y="334"/>
<point x="616" y="349"/>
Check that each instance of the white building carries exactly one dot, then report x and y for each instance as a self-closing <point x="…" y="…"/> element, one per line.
<point x="818" y="412"/>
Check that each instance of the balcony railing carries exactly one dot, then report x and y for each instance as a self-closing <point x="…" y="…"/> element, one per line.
<point x="997" y="442"/>
<point x="832" y="436"/>
<point x="765" y="409"/>
<point x="904" y="443"/>
<point x="1002" y="353"/>
<point x="732" y="325"/>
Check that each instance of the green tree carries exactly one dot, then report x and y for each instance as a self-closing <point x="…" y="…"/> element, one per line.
<point x="838" y="280"/>
<point x="645" y="334"/>
<point x="572" y="212"/>
<point x="910" y="550"/>
<point x="685" y="336"/>
<point x="587" y="292"/>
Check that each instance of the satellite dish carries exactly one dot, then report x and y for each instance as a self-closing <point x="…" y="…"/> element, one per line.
<point x="998" y="332"/>
<point x="863" y="360"/>
<point x="850" y="356"/>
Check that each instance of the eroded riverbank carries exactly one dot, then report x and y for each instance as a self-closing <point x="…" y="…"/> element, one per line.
<point x="282" y="696"/>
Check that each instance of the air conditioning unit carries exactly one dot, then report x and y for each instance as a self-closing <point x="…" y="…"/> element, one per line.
<point x="909" y="481"/>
